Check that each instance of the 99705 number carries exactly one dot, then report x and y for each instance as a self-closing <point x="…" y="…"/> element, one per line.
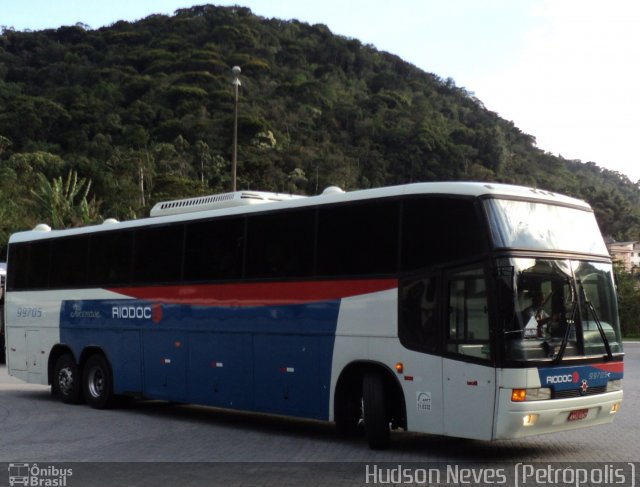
<point x="29" y="312"/>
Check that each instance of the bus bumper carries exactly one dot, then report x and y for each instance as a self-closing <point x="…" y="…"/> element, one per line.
<point x="520" y="419"/>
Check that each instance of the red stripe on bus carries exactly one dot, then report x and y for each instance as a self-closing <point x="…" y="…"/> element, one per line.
<point x="258" y="294"/>
<point x="610" y="367"/>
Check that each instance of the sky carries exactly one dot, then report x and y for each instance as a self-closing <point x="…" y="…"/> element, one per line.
<point x="566" y="72"/>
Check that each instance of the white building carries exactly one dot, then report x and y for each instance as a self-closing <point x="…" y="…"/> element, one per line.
<point x="627" y="253"/>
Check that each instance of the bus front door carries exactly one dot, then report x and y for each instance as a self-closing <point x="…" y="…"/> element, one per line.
<point x="469" y="399"/>
<point x="468" y="376"/>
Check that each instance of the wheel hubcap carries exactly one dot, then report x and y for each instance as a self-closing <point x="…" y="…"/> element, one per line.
<point x="96" y="382"/>
<point x="65" y="381"/>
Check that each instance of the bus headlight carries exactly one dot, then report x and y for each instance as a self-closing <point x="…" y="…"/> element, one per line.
<point x="614" y="385"/>
<point x="537" y="394"/>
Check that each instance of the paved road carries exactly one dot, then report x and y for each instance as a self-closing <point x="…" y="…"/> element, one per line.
<point x="37" y="428"/>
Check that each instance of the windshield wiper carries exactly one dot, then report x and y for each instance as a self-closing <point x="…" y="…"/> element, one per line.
<point x="591" y="308"/>
<point x="567" y="332"/>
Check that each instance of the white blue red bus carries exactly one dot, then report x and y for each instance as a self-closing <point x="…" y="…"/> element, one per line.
<point x="3" y="275"/>
<point x="473" y="310"/>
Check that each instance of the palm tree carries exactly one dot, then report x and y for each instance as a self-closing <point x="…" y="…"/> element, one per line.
<point x="65" y="203"/>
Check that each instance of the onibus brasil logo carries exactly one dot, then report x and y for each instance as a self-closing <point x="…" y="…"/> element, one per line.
<point x="36" y="476"/>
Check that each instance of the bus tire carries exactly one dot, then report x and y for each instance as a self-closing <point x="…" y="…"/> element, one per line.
<point x="98" y="383"/>
<point x="376" y="422"/>
<point x="66" y="383"/>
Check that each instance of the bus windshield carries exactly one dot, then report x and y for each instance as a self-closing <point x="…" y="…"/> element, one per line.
<point x="556" y="309"/>
<point x="531" y="225"/>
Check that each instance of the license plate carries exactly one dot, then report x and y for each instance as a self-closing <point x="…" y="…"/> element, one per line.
<point x="578" y="414"/>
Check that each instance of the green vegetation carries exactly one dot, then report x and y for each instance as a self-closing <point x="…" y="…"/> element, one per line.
<point x="628" y="301"/>
<point x="104" y="123"/>
<point x="144" y="111"/>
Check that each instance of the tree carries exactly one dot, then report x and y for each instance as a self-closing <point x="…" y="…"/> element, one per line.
<point x="5" y="143"/>
<point x="628" y="300"/>
<point x="64" y="204"/>
<point x="140" y="106"/>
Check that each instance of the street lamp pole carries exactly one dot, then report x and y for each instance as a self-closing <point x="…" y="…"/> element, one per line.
<point x="234" y="157"/>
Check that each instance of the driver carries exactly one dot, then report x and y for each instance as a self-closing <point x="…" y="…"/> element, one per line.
<point x="535" y="316"/>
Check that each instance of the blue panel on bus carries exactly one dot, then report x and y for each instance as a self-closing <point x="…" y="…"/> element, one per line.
<point x="165" y="369"/>
<point x="291" y="376"/>
<point x="128" y="366"/>
<point x="580" y="377"/>
<point x="220" y="369"/>
<point x="264" y="358"/>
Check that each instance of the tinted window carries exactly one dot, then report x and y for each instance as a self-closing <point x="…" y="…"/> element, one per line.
<point x="418" y="320"/>
<point x="39" y="258"/>
<point x="361" y="238"/>
<point x="69" y="262"/>
<point x="438" y="229"/>
<point x="110" y="258"/>
<point x="157" y="254"/>
<point x="281" y="244"/>
<point x="214" y="249"/>
<point x="17" y="267"/>
<point x="468" y="331"/>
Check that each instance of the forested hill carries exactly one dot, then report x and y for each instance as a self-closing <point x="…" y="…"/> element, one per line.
<point x="144" y="111"/>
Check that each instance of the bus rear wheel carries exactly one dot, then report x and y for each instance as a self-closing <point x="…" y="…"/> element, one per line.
<point x="66" y="383"/>
<point x="98" y="383"/>
<point x="374" y="411"/>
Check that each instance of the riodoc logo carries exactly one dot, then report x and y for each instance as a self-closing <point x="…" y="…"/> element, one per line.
<point x="131" y="312"/>
<point x="153" y="313"/>
<point x="563" y="378"/>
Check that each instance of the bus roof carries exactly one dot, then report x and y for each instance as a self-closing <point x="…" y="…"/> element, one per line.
<point x="477" y="189"/>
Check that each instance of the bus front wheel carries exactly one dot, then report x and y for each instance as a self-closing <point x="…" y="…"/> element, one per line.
<point x="98" y="383"/>
<point x="66" y="380"/>
<point x="376" y="422"/>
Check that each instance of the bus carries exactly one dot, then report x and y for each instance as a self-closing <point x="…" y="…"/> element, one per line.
<point x="3" y="275"/>
<point x="472" y="310"/>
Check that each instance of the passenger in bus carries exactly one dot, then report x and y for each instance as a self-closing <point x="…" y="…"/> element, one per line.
<point x="534" y="316"/>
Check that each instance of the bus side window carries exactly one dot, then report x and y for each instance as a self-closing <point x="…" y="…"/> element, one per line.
<point x="418" y="322"/>
<point x="280" y="245"/>
<point x="213" y="249"/>
<point x="438" y="229"/>
<point x="110" y="258"/>
<point x="69" y="262"/>
<point x="358" y="239"/>
<point x="19" y="255"/>
<point x="468" y="330"/>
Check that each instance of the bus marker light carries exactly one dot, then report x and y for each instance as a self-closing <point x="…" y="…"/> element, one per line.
<point x="399" y="367"/>
<point x="518" y="395"/>
<point x="408" y="377"/>
<point x="615" y="408"/>
<point x="536" y="394"/>
<point x="529" y="420"/>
